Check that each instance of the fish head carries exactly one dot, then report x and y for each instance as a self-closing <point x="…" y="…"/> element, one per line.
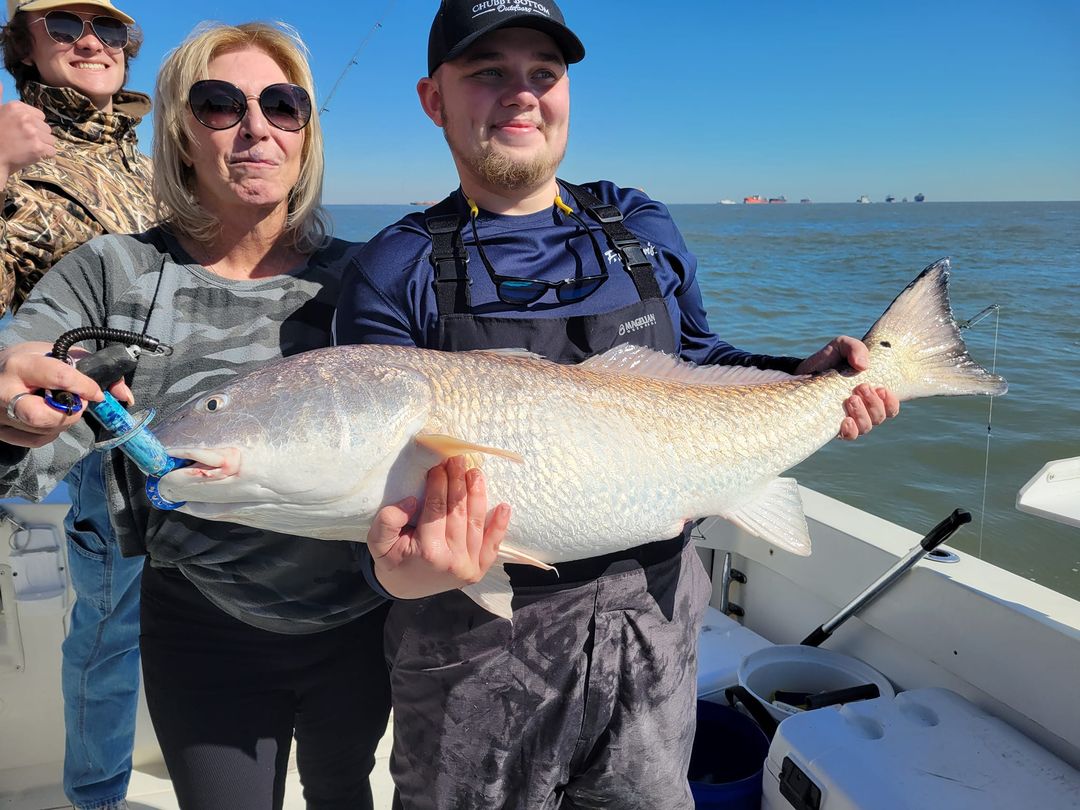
<point x="300" y="441"/>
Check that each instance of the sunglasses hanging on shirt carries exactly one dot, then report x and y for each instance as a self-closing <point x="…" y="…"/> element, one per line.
<point x="218" y="104"/>
<point x="67" y="28"/>
<point x="518" y="291"/>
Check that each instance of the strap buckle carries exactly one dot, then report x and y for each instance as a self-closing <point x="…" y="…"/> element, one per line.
<point x="606" y="214"/>
<point x="443" y="224"/>
<point x="456" y="256"/>
<point x="633" y="253"/>
<point x="448" y="252"/>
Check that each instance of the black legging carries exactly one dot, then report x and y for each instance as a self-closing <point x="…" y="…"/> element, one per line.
<point x="226" y="699"/>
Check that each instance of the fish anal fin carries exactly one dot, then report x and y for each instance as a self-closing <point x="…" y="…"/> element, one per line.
<point x="512" y="555"/>
<point x="493" y="593"/>
<point x="775" y="514"/>
<point x="449" y="446"/>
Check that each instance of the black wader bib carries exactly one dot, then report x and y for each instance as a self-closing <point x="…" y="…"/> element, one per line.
<point x="565" y="340"/>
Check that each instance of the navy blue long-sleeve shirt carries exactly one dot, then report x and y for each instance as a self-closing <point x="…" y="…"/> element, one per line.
<point x="388" y="294"/>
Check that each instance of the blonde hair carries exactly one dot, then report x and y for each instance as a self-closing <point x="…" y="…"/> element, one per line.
<point x="307" y="226"/>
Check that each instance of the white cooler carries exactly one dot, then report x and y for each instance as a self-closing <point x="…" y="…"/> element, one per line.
<point x="722" y="645"/>
<point x="921" y="750"/>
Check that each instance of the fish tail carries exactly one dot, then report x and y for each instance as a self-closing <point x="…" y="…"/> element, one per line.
<point x="919" y="337"/>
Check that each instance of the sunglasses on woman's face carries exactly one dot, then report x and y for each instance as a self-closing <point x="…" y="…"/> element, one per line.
<point x="220" y="105"/>
<point x="66" y="28"/>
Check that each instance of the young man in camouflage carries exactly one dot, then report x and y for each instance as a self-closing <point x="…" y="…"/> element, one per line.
<point x="85" y="178"/>
<point x="71" y="170"/>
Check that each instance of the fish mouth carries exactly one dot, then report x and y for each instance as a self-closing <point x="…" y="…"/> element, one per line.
<point x="209" y="464"/>
<point x="218" y="477"/>
<point x="210" y="467"/>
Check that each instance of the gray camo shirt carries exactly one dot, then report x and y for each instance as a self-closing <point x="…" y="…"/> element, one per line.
<point x="218" y="328"/>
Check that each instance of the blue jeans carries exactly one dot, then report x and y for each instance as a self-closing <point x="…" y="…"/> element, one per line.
<point x="100" y="676"/>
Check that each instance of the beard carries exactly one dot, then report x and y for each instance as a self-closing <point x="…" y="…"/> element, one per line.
<point x="502" y="171"/>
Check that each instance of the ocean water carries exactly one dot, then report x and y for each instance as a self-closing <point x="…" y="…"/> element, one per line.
<point x="784" y="279"/>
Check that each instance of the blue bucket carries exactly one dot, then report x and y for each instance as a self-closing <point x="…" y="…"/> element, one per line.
<point x="727" y="759"/>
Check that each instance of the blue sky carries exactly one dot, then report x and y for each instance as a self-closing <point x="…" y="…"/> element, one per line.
<point x="699" y="100"/>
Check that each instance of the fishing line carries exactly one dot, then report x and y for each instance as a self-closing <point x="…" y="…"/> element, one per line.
<point x="970" y="322"/>
<point x="352" y="59"/>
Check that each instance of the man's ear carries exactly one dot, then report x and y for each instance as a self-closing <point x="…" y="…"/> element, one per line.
<point x="430" y="99"/>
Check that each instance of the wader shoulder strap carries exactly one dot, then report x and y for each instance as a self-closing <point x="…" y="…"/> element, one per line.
<point x="635" y="261"/>
<point x="448" y="257"/>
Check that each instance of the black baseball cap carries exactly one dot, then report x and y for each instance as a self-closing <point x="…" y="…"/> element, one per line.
<point x="459" y="23"/>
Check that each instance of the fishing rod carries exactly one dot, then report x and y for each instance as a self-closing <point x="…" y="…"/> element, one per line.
<point x="352" y="59"/>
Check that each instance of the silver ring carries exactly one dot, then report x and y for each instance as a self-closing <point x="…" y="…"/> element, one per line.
<point x="14" y="401"/>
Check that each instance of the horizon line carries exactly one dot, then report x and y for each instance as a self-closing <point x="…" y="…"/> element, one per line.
<point x="796" y="203"/>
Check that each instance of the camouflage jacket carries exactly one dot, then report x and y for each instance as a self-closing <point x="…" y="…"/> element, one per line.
<point x="98" y="183"/>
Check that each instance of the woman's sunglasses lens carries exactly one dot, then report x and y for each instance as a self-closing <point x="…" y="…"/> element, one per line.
<point x="520" y="292"/>
<point x="215" y="104"/>
<point x="286" y="106"/>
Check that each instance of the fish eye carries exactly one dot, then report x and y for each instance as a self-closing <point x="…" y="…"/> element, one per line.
<point x="214" y="402"/>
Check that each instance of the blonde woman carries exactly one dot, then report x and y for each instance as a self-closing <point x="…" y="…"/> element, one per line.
<point x="248" y="638"/>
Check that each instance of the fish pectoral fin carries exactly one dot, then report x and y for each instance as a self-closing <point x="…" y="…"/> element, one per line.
<point x="493" y="593"/>
<point x="450" y="446"/>
<point x="512" y="555"/>
<point x="775" y="514"/>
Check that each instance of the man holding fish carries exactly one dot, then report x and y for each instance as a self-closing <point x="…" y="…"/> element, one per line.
<point x="587" y="695"/>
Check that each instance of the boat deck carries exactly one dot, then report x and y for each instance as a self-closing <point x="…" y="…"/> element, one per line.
<point x="150" y="788"/>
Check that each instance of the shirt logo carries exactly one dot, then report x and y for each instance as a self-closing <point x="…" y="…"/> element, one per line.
<point x="515" y="6"/>
<point x="637" y="324"/>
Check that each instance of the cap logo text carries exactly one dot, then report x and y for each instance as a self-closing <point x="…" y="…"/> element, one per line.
<point x="504" y="6"/>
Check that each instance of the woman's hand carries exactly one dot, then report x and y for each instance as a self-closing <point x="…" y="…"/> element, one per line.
<point x="25" y="419"/>
<point x="453" y="542"/>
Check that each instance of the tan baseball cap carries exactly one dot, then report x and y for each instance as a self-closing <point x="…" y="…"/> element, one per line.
<point x="15" y="6"/>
